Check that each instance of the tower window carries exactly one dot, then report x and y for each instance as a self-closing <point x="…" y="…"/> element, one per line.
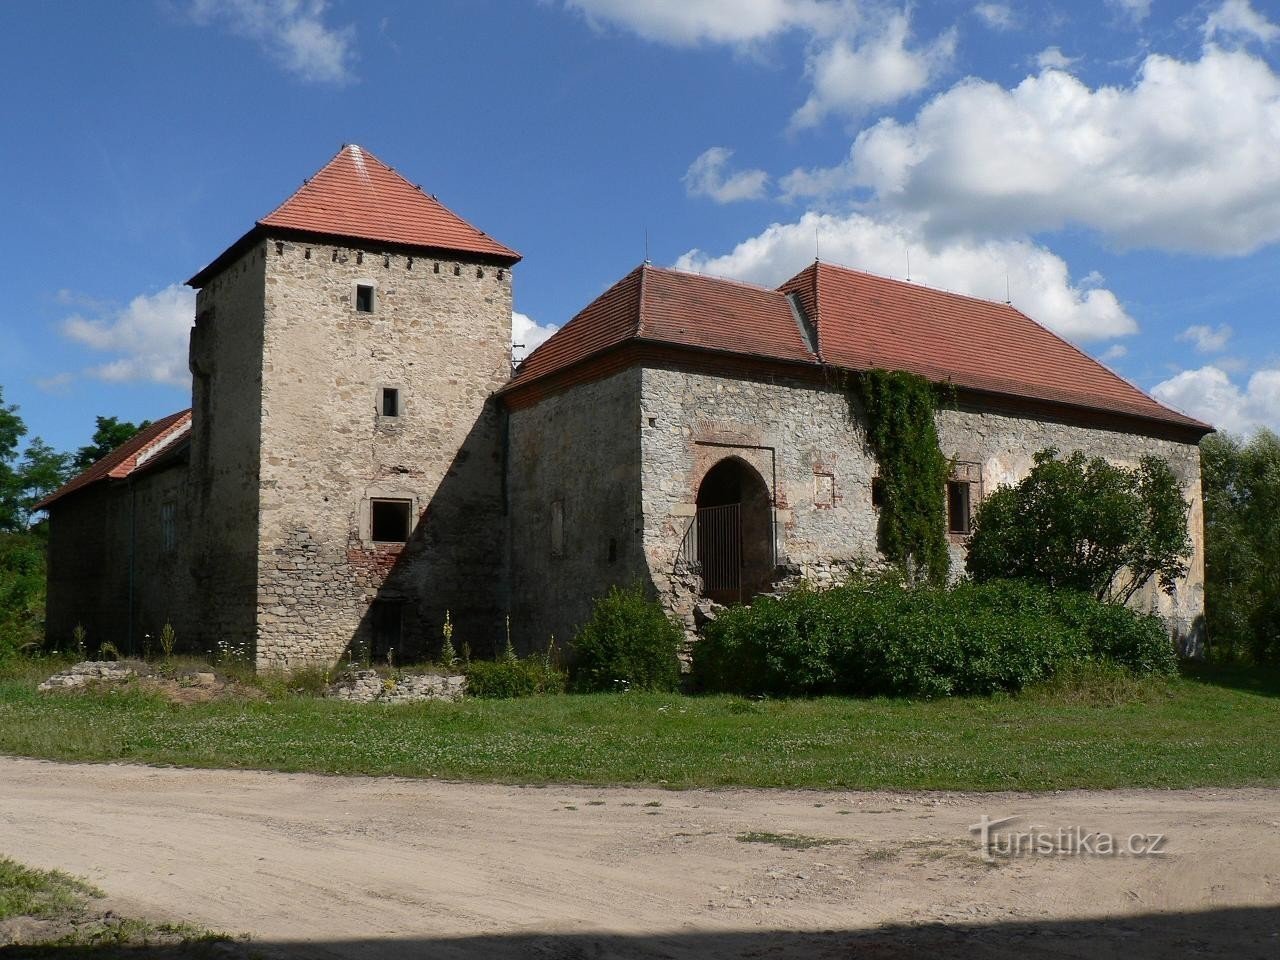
<point x="958" y="507"/>
<point x="389" y="520"/>
<point x="390" y="404"/>
<point x="364" y="298"/>
<point x="877" y="492"/>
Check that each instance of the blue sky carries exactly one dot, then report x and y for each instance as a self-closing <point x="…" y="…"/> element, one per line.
<point x="1115" y="164"/>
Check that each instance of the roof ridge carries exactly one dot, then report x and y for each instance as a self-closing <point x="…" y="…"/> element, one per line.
<point x="916" y="286"/>
<point x="714" y="278"/>
<point x="644" y="268"/>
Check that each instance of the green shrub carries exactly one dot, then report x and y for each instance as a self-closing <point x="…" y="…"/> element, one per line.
<point x="506" y="679"/>
<point x="877" y="637"/>
<point x="628" y="643"/>
<point x="22" y="563"/>
<point x="1265" y="632"/>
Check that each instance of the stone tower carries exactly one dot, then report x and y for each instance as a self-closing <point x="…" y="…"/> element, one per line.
<point x="346" y="455"/>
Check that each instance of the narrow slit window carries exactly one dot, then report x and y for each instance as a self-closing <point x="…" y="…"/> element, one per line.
<point x="877" y="492"/>
<point x="389" y="520"/>
<point x="957" y="507"/>
<point x="364" y="298"/>
<point x="390" y="402"/>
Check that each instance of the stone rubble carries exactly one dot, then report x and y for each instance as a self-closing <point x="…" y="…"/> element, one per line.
<point x="86" y="672"/>
<point x="368" y="686"/>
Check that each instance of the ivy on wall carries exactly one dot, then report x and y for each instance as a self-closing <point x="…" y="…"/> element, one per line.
<point x="899" y="408"/>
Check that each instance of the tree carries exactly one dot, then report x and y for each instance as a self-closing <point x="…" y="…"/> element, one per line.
<point x="1085" y="525"/>
<point x="12" y="430"/>
<point x="1242" y="545"/>
<point x="110" y="433"/>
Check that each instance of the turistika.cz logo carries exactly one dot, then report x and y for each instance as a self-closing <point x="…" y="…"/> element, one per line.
<point x="997" y="840"/>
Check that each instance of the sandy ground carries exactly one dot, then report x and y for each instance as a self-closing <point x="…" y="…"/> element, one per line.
<point x="314" y="866"/>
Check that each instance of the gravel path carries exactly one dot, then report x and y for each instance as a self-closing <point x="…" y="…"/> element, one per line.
<point x="361" y="867"/>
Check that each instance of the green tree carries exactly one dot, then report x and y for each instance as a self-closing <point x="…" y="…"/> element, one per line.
<point x="1085" y="525"/>
<point x="109" y="434"/>
<point x="12" y="430"/>
<point x="1242" y="544"/>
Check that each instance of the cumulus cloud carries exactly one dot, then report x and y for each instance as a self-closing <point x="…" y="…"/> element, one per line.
<point x="293" y="32"/>
<point x="1117" y="351"/>
<point x="148" y="338"/>
<point x="707" y="177"/>
<point x="526" y="335"/>
<point x="1138" y="10"/>
<point x="1052" y="58"/>
<point x="1183" y="159"/>
<point x="997" y="16"/>
<point x="1210" y="395"/>
<point x="1207" y="339"/>
<point x="859" y="55"/>
<point x="1039" y="280"/>
<point x="1236" y="19"/>
<point x="851" y="78"/>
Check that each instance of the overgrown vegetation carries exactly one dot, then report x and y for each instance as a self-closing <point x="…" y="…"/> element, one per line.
<point x="901" y="432"/>
<point x="22" y="590"/>
<point x="1214" y="726"/>
<point x="510" y="677"/>
<point x="628" y="644"/>
<point x="1078" y="524"/>
<point x="877" y="638"/>
<point x="1242" y="546"/>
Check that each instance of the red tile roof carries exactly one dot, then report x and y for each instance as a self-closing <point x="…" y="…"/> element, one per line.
<point x="865" y="321"/>
<point x="129" y="457"/>
<point x="357" y="196"/>
<point x="862" y="321"/>
<point x="652" y="304"/>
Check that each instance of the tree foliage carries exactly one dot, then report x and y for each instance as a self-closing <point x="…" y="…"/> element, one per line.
<point x="1242" y="545"/>
<point x="1085" y="525"/>
<point x="109" y="433"/>
<point x="902" y="434"/>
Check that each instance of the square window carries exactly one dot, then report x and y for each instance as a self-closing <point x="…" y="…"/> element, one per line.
<point x="390" y="402"/>
<point x="957" y="507"/>
<point x="389" y="520"/>
<point x="364" y="298"/>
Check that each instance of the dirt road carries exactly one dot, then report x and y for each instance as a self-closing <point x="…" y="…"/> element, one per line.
<point x="350" y="867"/>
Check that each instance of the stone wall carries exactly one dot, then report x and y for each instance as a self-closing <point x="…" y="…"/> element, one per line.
<point x="440" y="334"/>
<point x="226" y="442"/>
<point x="574" y="510"/>
<point x="809" y="447"/>
<point x="111" y="568"/>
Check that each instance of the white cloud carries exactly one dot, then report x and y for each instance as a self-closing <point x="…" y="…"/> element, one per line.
<point x="527" y="335"/>
<point x="1139" y="10"/>
<point x="1210" y="395"/>
<point x="1038" y="279"/>
<point x="293" y="32"/>
<point x="1116" y="351"/>
<point x="706" y="178"/>
<point x="735" y="22"/>
<point x="1183" y="159"/>
<point x="881" y="69"/>
<point x="1207" y="339"/>
<point x="1237" y="19"/>
<point x="1052" y="58"/>
<point x="997" y="16"/>
<point x="149" y="338"/>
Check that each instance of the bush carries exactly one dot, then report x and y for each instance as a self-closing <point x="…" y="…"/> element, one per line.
<point x="628" y="640"/>
<point x="22" y="563"/>
<point x="507" y="679"/>
<point x="877" y="637"/>
<point x="1265" y="627"/>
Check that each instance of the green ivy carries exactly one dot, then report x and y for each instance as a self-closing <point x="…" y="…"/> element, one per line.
<point x="901" y="432"/>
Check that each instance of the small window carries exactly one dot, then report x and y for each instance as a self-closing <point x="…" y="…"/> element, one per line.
<point x="168" y="527"/>
<point x="557" y="528"/>
<point x="957" y="507"/>
<point x="390" y="402"/>
<point x="389" y="520"/>
<point x="824" y="490"/>
<point x="877" y="492"/>
<point x="364" y="298"/>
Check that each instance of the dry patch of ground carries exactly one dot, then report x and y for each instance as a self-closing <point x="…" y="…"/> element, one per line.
<point x="320" y="866"/>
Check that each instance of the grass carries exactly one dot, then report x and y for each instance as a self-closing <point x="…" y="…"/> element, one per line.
<point x="65" y="905"/>
<point x="788" y="841"/>
<point x="1213" y="726"/>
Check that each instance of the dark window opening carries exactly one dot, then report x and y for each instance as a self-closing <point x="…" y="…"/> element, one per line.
<point x="390" y="402"/>
<point x="389" y="520"/>
<point x="364" y="298"/>
<point x="386" y="628"/>
<point x="613" y="550"/>
<point x="877" y="492"/>
<point x="957" y="506"/>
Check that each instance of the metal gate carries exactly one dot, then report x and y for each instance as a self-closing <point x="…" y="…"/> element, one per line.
<point x="719" y="551"/>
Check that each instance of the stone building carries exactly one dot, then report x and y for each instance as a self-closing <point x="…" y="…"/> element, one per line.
<point x="360" y="459"/>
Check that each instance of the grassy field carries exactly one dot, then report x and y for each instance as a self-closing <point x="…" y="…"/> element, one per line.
<point x="1210" y="727"/>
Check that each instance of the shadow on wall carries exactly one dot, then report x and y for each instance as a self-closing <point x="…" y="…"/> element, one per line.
<point x="1238" y="933"/>
<point x="453" y="560"/>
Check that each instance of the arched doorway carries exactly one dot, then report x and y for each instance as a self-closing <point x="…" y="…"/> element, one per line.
<point x="734" y="532"/>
